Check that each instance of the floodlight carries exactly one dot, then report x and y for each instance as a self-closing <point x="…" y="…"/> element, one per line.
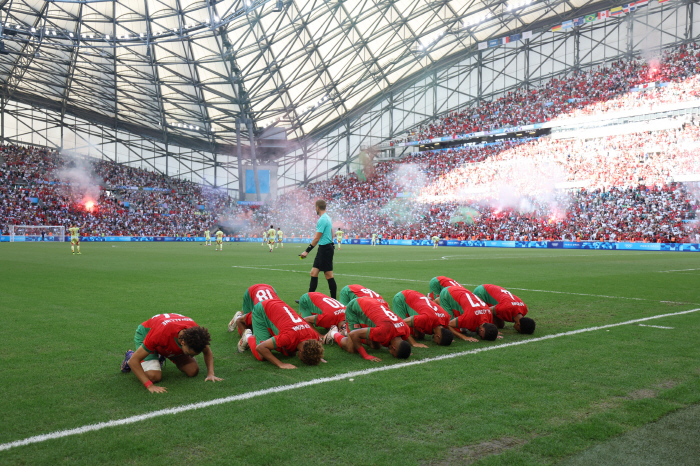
<point x="33" y="29"/>
<point x="106" y="36"/>
<point x="70" y="34"/>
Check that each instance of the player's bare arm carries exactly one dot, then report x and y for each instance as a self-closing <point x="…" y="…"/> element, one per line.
<point x="135" y="364"/>
<point x="458" y="334"/>
<point x="209" y="362"/>
<point x="265" y="348"/>
<point x="356" y="337"/>
<point x="314" y="242"/>
<point x="412" y="340"/>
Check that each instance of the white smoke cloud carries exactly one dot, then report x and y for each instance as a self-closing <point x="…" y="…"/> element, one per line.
<point x="83" y="184"/>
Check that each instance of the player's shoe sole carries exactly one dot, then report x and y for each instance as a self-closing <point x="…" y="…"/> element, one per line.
<point x="328" y="338"/>
<point x="243" y="343"/>
<point x="161" y="360"/>
<point x="232" y="325"/>
<point x="125" y="363"/>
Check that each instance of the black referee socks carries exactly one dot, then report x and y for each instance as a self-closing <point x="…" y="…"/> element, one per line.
<point x="332" y="286"/>
<point x="313" y="284"/>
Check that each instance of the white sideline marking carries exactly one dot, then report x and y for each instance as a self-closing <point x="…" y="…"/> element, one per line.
<point x="284" y="388"/>
<point x="682" y="270"/>
<point x="656" y="326"/>
<point x="464" y="284"/>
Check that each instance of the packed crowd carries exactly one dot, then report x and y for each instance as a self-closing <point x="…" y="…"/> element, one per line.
<point x="40" y="187"/>
<point x="619" y="187"/>
<point x="592" y="92"/>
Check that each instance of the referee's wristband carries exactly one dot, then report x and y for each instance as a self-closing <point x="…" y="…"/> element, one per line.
<point x="311" y="246"/>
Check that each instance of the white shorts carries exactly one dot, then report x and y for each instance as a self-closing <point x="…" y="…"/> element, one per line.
<point x="152" y="365"/>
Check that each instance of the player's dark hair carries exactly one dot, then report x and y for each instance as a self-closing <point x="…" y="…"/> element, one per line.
<point x="271" y="226"/>
<point x="404" y="350"/>
<point x="321" y="204"/>
<point x="311" y="353"/>
<point x="446" y="337"/>
<point x="490" y="332"/>
<point x="527" y="326"/>
<point x="197" y="338"/>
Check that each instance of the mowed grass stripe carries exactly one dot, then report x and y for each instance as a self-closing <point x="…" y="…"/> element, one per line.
<point x="284" y="388"/>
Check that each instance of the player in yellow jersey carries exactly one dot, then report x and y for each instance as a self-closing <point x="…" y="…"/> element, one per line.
<point x="219" y="240"/>
<point x="75" y="237"/>
<point x="339" y="237"/>
<point x="436" y="241"/>
<point x="207" y="238"/>
<point x="374" y="239"/>
<point x="280" y="238"/>
<point x="271" y="233"/>
<point x="264" y="237"/>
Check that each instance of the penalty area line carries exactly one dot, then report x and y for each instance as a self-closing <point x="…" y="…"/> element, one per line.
<point x="285" y="388"/>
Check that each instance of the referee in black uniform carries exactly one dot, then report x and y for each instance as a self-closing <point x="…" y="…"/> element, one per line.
<point x="324" y="257"/>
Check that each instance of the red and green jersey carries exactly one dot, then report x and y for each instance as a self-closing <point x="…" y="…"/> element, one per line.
<point x="255" y="294"/>
<point x="438" y="283"/>
<point x="383" y="324"/>
<point x="273" y="318"/>
<point x="327" y="310"/>
<point x="425" y="313"/>
<point x="507" y="305"/>
<point x="162" y="334"/>
<point x="471" y="312"/>
<point x="350" y="292"/>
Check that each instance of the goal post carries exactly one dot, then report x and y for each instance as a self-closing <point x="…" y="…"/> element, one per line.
<point x="27" y="233"/>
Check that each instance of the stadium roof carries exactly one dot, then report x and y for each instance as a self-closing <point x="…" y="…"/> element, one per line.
<point x="188" y="68"/>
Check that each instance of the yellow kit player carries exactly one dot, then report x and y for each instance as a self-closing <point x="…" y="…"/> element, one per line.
<point x="435" y="239"/>
<point x="374" y="239"/>
<point x="75" y="237"/>
<point x="280" y="238"/>
<point x="271" y="233"/>
<point x="219" y="240"/>
<point x="264" y="237"/>
<point x="339" y="237"/>
<point x="207" y="238"/>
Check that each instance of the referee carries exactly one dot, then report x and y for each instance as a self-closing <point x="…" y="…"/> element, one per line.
<point x="324" y="256"/>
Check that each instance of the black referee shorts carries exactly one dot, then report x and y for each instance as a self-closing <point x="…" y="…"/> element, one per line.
<point x="324" y="258"/>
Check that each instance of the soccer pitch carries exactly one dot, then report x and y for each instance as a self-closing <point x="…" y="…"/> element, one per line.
<point x="67" y="321"/>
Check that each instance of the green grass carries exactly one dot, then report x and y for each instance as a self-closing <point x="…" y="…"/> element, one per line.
<point x="66" y="321"/>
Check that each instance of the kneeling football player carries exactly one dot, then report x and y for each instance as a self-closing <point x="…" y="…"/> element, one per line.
<point x="350" y="292"/>
<point x="437" y="284"/>
<point x="276" y="326"/>
<point x="506" y="307"/>
<point x="322" y="311"/>
<point x="379" y="327"/>
<point x="171" y="336"/>
<point x="469" y="312"/>
<point x="423" y="316"/>
<point x="242" y="320"/>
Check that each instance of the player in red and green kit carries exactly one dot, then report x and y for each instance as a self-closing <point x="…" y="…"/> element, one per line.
<point x="470" y="312"/>
<point x="243" y="319"/>
<point x="350" y="292"/>
<point x="423" y="316"/>
<point x="437" y="284"/>
<point x="322" y="311"/>
<point x="171" y="336"/>
<point x="381" y="328"/>
<point x="276" y="326"/>
<point x="506" y="307"/>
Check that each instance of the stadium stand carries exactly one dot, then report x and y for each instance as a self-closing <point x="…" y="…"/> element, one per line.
<point x="618" y="187"/>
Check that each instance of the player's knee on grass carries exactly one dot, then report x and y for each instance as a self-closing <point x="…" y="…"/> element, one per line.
<point x="187" y="364"/>
<point x="311" y="352"/>
<point x="490" y="332"/>
<point x="526" y="326"/>
<point x="152" y="370"/>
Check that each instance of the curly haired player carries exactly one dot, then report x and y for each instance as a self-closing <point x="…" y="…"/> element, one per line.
<point x="276" y="326"/>
<point x="171" y="336"/>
